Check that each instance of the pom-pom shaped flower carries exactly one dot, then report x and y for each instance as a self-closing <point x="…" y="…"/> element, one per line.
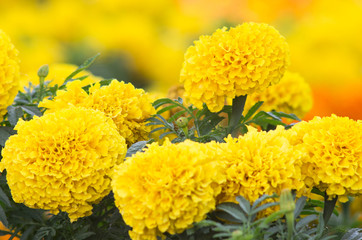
<point x="168" y="187"/>
<point x="334" y="162"/>
<point x="126" y="105"/>
<point x="260" y="163"/>
<point x="243" y="60"/>
<point x="63" y="160"/>
<point x="9" y="73"/>
<point x="291" y="95"/>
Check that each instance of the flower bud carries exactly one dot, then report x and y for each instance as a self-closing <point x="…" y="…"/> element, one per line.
<point x="43" y="71"/>
<point x="182" y="122"/>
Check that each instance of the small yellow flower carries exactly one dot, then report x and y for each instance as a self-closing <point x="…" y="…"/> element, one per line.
<point x="126" y="105"/>
<point x="63" y="160"/>
<point x="334" y="148"/>
<point x="234" y="62"/>
<point x="291" y="95"/>
<point x="9" y="73"/>
<point x="260" y="163"/>
<point x="168" y="187"/>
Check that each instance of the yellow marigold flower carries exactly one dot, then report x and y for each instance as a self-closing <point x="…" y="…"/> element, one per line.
<point x="291" y="95"/>
<point x="243" y="60"/>
<point x="334" y="147"/>
<point x="128" y="106"/>
<point x="260" y="163"/>
<point x="63" y="160"/>
<point x="9" y="73"/>
<point x="171" y="187"/>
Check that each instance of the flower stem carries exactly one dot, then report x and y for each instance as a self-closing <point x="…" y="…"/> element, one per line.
<point x="236" y="113"/>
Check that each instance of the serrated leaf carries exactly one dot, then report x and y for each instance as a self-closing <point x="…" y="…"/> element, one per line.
<point x="3" y="217"/>
<point x="263" y="207"/>
<point x="136" y="147"/>
<point x="244" y="204"/>
<point x="32" y="110"/>
<point x="305" y="221"/>
<point x="232" y="209"/>
<point x="164" y="135"/>
<point x="4" y="198"/>
<point x="87" y="63"/>
<point x="14" y="113"/>
<point x="353" y="234"/>
<point x="253" y="110"/>
<point x="5" y="133"/>
<point x="299" y="205"/>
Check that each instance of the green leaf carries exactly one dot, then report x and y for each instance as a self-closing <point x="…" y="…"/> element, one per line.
<point x="176" y="115"/>
<point x="286" y="115"/>
<point x="32" y="110"/>
<point x="4" y="198"/>
<point x="136" y="147"/>
<point x="232" y="209"/>
<point x="244" y="204"/>
<point x="14" y="113"/>
<point x="304" y="222"/>
<point x="87" y="63"/>
<point x="261" y="199"/>
<point x="299" y="205"/>
<point x="27" y="233"/>
<point x="165" y="109"/>
<point x="164" y="135"/>
<point x="353" y="234"/>
<point x="5" y="133"/>
<point x="3" y="217"/>
<point x="263" y="207"/>
<point x="253" y="110"/>
<point x="158" y="129"/>
<point x="104" y="82"/>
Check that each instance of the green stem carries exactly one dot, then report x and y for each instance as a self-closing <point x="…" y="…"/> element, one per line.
<point x="328" y="208"/>
<point x="236" y="113"/>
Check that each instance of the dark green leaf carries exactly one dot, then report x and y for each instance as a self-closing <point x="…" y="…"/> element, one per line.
<point x="32" y="110"/>
<point x="299" y="205"/>
<point x="3" y="217"/>
<point x="232" y="209"/>
<point x="165" y="109"/>
<point x="286" y="115"/>
<point x="305" y="221"/>
<point x="136" y="147"/>
<point x="176" y="115"/>
<point x="26" y="235"/>
<point x="353" y="234"/>
<point x="253" y="110"/>
<point x="5" y="133"/>
<point x="4" y="198"/>
<point x="87" y="63"/>
<point x="14" y="113"/>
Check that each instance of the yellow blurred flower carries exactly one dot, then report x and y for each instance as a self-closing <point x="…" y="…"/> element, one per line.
<point x="243" y="60"/>
<point x="260" y="163"/>
<point x="334" y="147"/>
<point x="9" y="73"/>
<point x="63" y="161"/>
<point x="173" y="186"/>
<point x="126" y="105"/>
<point x="58" y="72"/>
<point x="291" y="95"/>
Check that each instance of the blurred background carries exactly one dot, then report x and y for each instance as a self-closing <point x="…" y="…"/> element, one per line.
<point x="143" y="42"/>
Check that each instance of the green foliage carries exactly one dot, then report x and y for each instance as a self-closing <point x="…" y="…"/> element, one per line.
<point x="206" y="126"/>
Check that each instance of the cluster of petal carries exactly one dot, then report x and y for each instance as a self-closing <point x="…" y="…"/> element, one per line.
<point x="260" y="163"/>
<point x="9" y="73"/>
<point x="168" y="187"/>
<point x="291" y="95"/>
<point x="334" y="147"/>
<point x="234" y="62"/>
<point x="63" y="160"/>
<point x="126" y="105"/>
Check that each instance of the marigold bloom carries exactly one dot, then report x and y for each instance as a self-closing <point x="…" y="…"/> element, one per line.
<point x="243" y="60"/>
<point x="63" y="160"/>
<point x="260" y="163"/>
<point x="291" y="95"/>
<point x="168" y="187"/>
<point x="128" y="106"/>
<point x="334" y="147"/>
<point x="9" y="73"/>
